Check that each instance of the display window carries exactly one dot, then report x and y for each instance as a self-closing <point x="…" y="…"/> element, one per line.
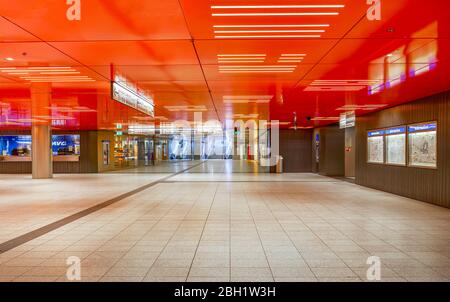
<point x="396" y="146"/>
<point x="18" y="147"/>
<point x="15" y="148"/>
<point x="422" y="145"/>
<point x="375" y="146"/>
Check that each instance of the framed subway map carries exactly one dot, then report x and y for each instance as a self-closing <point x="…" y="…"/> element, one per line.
<point x="422" y="140"/>
<point x="396" y="146"/>
<point x="375" y="147"/>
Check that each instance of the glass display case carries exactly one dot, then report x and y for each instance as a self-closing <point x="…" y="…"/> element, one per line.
<point x="375" y="146"/>
<point x="396" y="146"/>
<point x="422" y="145"/>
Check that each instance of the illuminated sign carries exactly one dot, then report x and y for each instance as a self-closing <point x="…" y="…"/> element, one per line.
<point x="347" y="120"/>
<point x="375" y="133"/>
<point x="397" y="130"/>
<point x="423" y="127"/>
<point x="143" y="129"/>
<point x="128" y="94"/>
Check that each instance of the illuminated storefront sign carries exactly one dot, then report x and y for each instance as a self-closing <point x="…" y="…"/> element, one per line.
<point x="128" y="94"/>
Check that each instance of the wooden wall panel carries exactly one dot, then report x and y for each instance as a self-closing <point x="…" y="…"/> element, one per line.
<point x="429" y="185"/>
<point x="332" y="151"/>
<point x="295" y="147"/>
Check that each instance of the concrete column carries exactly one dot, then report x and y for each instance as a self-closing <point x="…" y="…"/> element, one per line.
<point x="41" y="134"/>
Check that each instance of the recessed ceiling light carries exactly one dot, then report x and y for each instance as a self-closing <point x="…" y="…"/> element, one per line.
<point x="268" y="36"/>
<point x="272" y="25"/>
<point x="9" y="59"/>
<point x="269" y="31"/>
<point x="242" y="55"/>
<point x="274" y="14"/>
<point x="276" y="6"/>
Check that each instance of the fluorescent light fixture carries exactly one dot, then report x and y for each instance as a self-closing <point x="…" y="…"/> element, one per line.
<point x="225" y="62"/>
<point x="256" y="71"/>
<point x="289" y="61"/>
<point x="242" y="55"/>
<point x="274" y="14"/>
<point x="293" y="54"/>
<point x="276" y="6"/>
<point x="268" y="36"/>
<point x="9" y="59"/>
<point x="272" y="25"/>
<point x="50" y="67"/>
<point x="269" y="31"/>
<point x="59" y="72"/>
<point x="263" y="66"/>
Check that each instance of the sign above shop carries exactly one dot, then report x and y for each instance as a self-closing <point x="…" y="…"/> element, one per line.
<point x="127" y="93"/>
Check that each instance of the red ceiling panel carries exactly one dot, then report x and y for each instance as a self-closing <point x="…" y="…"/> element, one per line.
<point x="136" y="53"/>
<point x="100" y="19"/>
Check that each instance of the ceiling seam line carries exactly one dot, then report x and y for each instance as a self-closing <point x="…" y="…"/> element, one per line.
<point x="199" y="61"/>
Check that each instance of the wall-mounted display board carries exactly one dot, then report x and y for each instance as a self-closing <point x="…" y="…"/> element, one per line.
<point x="396" y="146"/>
<point x="375" y="146"/>
<point x="422" y="145"/>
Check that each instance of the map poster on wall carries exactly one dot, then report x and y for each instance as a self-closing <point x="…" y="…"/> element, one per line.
<point x="396" y="146"/>
<point x="375" y="146"/>
<point x="423" y="145"/>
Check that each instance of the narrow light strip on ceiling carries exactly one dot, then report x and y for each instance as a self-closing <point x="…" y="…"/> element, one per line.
<point x="293" y="54"/>
<point x="274" y="14"/>
<point x="224" y="69"/>
<point x="239" y="58"/>
<point x="269" y="36"/>
<point x="263" y="66"/>
<point x="258" y="71"/>
<point x="269" y="31"/>
<point x="59" y="72"/>
<point x="226" y="62"/>
<point x="277" y="6"/>
<point x="242" y="55"/>
<point x="273" y="25"/>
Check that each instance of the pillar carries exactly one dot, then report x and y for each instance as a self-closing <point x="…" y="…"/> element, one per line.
<point x="41" y="134"/>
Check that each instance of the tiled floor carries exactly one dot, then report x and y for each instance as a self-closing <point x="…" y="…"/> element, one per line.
<point x="223" y="227"/>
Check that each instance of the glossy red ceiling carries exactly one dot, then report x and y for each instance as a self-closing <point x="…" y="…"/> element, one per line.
<point x="170" y="48"/>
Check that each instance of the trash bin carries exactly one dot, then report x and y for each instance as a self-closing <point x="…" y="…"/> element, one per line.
<point x="279" y="167"/>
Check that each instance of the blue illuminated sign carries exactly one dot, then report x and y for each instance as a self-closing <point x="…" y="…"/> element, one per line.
<point x="423" y="127"/>
<point x="375" y="133"/>
<point x="397" y="130"/>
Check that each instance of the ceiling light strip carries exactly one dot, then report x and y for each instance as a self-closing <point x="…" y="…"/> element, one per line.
<point x="268" y="36"/>
<point x="269" y="31"/>
<point x="272" y="25"/>
<point x="242" y="55"/>
<point x="274" y="14"/>
<point x="277" y="6"/>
